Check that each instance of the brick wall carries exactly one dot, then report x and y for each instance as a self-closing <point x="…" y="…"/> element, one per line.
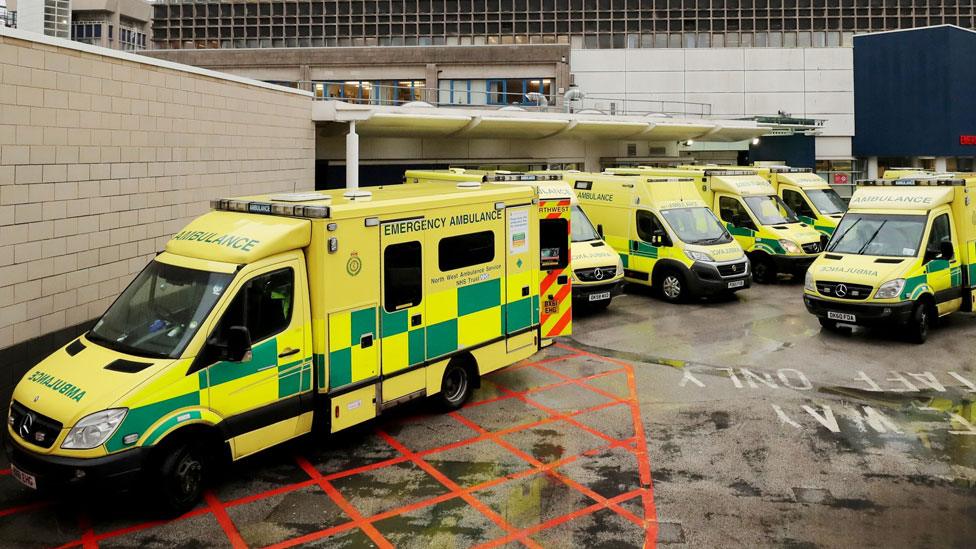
<point x="104" y="155"/>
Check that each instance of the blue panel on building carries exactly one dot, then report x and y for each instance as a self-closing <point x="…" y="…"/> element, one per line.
<point x="914" y="91"/>
<point x="798" y="151"/>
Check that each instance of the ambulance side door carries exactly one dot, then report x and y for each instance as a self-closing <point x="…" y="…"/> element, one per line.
<point x="266" y="388"/>
<point x="521" y="297"/>
<point x="799" y="202"/>
<point x="942" y="265"/>
<point x="555" y="288"/>
<point x="648" y="237"/>
<point x="403" y="307"/>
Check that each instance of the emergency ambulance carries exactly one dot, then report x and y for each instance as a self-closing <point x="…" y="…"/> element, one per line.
<point x="903" y="255"/>
<point x="767" y="229"/>
<point x="666" y="236"/>
<point x="811" y="198"/>
<point x="277" y="313"/>
<point x="596" y="270"/>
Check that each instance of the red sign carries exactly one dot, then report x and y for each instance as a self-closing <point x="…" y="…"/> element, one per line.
<point x="967" y="139"/>
<point x="841" y="178"/>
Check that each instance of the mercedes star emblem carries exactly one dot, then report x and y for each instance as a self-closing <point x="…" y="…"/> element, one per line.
<point x="841" y="290"/>
<point x="25" y="425"/>
<point x="598" y="274"/>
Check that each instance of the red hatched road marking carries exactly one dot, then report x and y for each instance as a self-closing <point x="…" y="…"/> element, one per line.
<point x="636" y="445"/>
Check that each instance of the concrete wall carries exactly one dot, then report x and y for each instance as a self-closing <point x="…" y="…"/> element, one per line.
<point x="806" y="82"/>
<point x="103" y="155"/>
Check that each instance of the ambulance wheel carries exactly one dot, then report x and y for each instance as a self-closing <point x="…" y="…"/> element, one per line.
<point x="763" y="269"/>
<point x="920" y="323"/>
<point x="671" y="286"/>
<point x="456" y="386"/>
<point x="181" y="476"/>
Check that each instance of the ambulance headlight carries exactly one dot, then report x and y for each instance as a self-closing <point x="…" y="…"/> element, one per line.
<point x="698" y="256"/>
<point x="808" y="282"/>
<point x="790" y="246"/>
<point x="94" y="429"/>
<point x="890" y="289"/>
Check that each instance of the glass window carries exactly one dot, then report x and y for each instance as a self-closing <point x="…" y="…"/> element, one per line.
<point x="648" y="226"/>
<point x="160" y="311"/>
<point x="878" y="235"/>
<point x="582" y="228"/>
<point x="770" y="210"/>
<point x="827" y="201"/>
<point x="732" y="211"/>
<point x="457" y="252"/>
<point x="402" y="276"/>
<point x="554" y="244"/>
<point x="940" y="233"/>
<point x="696" y="226"/>
<point x="263" y="305"/>
<point x="795" y="200"/>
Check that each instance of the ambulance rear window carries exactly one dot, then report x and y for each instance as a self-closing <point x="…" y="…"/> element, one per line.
<point x="402" y="276"/>
<point x="553" y="244"/>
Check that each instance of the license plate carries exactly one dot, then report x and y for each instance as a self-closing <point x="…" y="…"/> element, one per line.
<point x="25" y="478"/>
<point x="600" y="296"/>
<point x="843" y="317"/>
<point x="550" y="307"/>
<point x="737" y="283"/>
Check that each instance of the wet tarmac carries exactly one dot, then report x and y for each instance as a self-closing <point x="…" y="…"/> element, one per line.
<point x="736" y="423"/>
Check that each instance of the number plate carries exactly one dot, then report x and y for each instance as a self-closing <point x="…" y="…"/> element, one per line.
<point x="26" y="479"/>
<point x="843" y="317"/>
<point x="600" y="296"/>
<point x="737" y="283"/>
<point x="550" y="307"/>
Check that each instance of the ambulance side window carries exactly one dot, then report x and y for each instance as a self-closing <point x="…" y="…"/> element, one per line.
<point x="553" y="244"/>
<point x="648" y="225"/>
<point x="457" y="252"/>
<point x="402" y="276"/>
<point x="263" y="305"/>
<point x="732" y="211"/>
<point x="940" y="233"/>
<point x="795" y="200"/>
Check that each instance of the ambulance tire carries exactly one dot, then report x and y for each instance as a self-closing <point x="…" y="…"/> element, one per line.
<point x="920" y="323"/>
<point x="181" y="475"/>
<point x="672" y="286"/>
<point x="457" y="384"/>
<point x="763" y="268"/>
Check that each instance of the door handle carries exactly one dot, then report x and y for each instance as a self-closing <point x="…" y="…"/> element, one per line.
<point x="525" y="291"/>
<point x="415" y="320"/>
<point x="366" y="341"/>
<point x="287" y="352"/>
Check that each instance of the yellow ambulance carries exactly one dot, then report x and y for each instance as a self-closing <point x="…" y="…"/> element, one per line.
<point x="903" y="255"/>
<point x="811" y="198"/>
<point x="775" y="240"/>
<point x="666" y="236"/>
<point x="274" y="314"/>
<point x="597" y="272"/>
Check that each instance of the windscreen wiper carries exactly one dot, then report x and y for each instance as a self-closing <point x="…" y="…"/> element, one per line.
<point x="865" y="246"/>
<point x="834" y="243"/>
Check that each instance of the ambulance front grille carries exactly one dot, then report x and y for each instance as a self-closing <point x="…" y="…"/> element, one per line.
<point x="33" y="427"/>
<point x="596" y="274"/>
<point x="843" y="290"/>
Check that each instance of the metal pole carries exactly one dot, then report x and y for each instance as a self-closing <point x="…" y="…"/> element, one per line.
<point x="352" y="158"/>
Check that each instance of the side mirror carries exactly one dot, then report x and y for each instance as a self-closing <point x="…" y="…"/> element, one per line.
<point x="599" y="229"/>
<point x="238" y="346"/>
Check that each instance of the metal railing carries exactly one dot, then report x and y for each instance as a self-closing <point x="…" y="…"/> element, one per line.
<point x="369" y="93"/>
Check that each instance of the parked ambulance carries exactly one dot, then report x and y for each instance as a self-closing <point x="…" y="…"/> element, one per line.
<point x="666" y="236"/>
<point x="775" y="240"/>
<point x="904" y="255"/>
<point x="596" y="270"/>
<point x="275" y="313"/>
<point x="811" y="198"/>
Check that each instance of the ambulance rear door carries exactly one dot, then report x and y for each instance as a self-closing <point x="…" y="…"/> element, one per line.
<point x="555" y="288"/>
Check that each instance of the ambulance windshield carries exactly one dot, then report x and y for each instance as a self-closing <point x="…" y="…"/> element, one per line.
<point x="160" y="311"/>
<point x="878" y="235"/>
<point x="770" y="210"/>
<point x="827" y="201"/>
<point x="696" y="225"/>
<point x="580" y="227"/>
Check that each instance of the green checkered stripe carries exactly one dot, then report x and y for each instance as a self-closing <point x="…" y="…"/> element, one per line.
<point x="825" y="229"/>
<point x="638" y="248"/>
<point x="361" y="322"/>
<point x="520" y="314"/>
<point x="442" y="338"/>
<point x="396" y="323"/>
<point x="768" y="245"/>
